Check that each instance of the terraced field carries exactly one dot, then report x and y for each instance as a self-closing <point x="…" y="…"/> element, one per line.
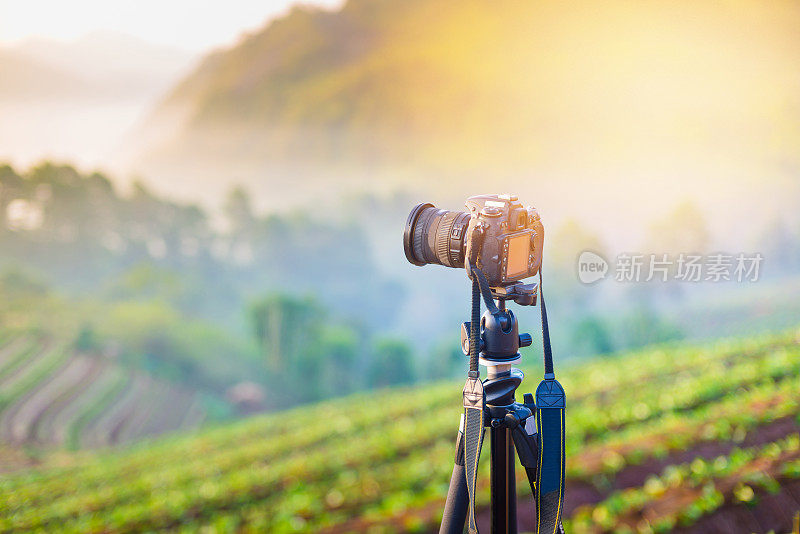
<point x="51" y="395"/>
<point x="686" y="439"/>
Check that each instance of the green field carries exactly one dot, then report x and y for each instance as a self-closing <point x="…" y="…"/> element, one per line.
<point x="663" y="439"/>
<point x="53" y="395"/>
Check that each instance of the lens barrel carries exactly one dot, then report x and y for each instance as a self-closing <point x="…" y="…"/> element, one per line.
<point x="435" y="236"/>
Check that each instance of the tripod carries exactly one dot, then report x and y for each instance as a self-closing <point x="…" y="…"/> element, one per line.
<point x="512" y="425"/>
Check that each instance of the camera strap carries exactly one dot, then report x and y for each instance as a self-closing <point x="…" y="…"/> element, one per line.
<point x="474" y="403"/>
<point x="550" y="406"/>
<point x="473" y="395"/>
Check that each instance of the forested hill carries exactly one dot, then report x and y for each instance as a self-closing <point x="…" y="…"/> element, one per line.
<point x="474" y="84"/>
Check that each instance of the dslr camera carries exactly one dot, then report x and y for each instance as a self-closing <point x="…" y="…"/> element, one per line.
<point x="512" y="237"/>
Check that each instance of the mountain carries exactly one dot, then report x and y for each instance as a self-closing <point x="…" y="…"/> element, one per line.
<point x="669" y="439"/>
<point x="75" y="101"/>
<point x="23" y="79"/>
<point x="111" y="65"/>
<point x="391" y="91"/>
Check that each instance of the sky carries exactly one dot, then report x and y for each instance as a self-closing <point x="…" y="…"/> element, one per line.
<point x="194" y="25"/>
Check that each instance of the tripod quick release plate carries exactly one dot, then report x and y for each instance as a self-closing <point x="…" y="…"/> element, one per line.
<point x="522" y="294"/>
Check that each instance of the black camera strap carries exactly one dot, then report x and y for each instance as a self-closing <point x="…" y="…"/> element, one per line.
<point x="473" y="395"/>
<point x="550" y="406"/>
<point x="474" y="402"/>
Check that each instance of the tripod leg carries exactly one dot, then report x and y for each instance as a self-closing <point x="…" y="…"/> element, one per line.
<point x="457" y="504"/>
<point x="511" y="478"/>
<point x="503" y="483"/>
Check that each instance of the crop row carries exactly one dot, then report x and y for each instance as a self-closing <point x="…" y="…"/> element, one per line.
<point x="279" y="434"/>
<point x="244" y="454"/>
<point x="651" y="365"/>
<point x="32" y="372"/>
<point x="289" y="424"/>
<point x="95" y="399"/>
<point x="378" y="458"/>
<point x="15" y="355"/>
<point x="683" y="493"/>
<point x="783" y="402"/>
<point x="11" y="345"/>
<point x="691" y="390"/>
<point x="50" y="395"/>
<point x="729" y="419"/>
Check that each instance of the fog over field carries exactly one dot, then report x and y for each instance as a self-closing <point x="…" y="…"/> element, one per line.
<point x="78" y="100"/>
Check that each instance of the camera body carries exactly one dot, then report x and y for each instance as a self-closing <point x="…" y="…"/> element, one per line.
<point x="513" y="236"/>
<point x="511" y="245"/>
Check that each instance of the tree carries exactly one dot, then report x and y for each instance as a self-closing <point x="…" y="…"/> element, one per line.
<point x="591" y="335"/>
<point x="330" y="367"/>
<point x="391" y="364"/>
<point x="446" y="360"/>
<point x="781" y="246"/>
<point x="284" y="326"/>
<point x="644" y="326"/>
<point x="563" y="248"/>
<point x="239" y="212"/>
<point x="683" y="230"/>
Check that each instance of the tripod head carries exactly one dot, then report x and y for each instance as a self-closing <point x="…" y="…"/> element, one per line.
<point x="499" y="337"/>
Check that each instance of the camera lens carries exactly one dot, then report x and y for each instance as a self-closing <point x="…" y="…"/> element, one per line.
<point x="435" y="236"/>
